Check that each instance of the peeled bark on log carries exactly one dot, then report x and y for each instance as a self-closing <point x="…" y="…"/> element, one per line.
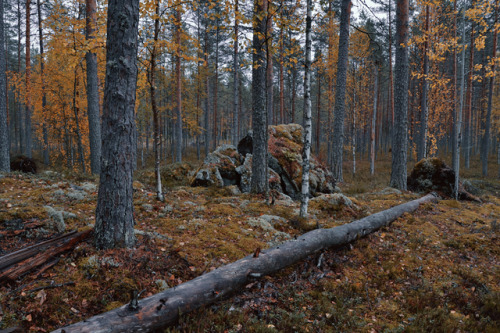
<point x="162" y="309"/>
<point x="67" y="243"/>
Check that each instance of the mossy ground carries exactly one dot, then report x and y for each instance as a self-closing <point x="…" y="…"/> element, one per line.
<point x="435" y="270"/>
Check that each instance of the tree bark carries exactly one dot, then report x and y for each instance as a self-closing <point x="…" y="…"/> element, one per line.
<point x="46" y="159"/>
<point x="93" y="113"/>
<point x="468" y="103"/>
<point x="4" y="132"/>
<point x="154" y="106"/>
<point x="269" y="63"/>
<point x="487" y="130"/>
<point x="236" y="78"/>
<point x="114" y="215"/>
<point x="178" y="90"/>
<point x="163" y="309"/>
<point x="374" y="123"/>
<point x="339" y="111"/>
<point x="400" y="137"/>
<point x="424" y="112"/>
<point x="259" y="183"/>
<point x="27" y="118"/>
<point x="306" y="151"/>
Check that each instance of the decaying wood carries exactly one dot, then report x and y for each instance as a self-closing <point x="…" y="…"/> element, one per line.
<point x="22" y="261"/>
<point x="162" y="309"/>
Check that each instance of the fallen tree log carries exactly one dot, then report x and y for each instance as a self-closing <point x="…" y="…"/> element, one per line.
<point x="162" y="309"/>
<point x="49" y="251"/>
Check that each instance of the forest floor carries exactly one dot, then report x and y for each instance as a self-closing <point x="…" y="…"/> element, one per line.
<point x="435" y="270"/>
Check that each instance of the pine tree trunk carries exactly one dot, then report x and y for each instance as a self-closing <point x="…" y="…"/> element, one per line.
<point x="27" y="118"/>
<point x="468" y="103"/>
<point x="424" y="112"/>
<point x="4" y="132"/>
<point x="178" y="90"/>
<point x="318" y="117"/>
<point x="93" y="113"/>
<point x="281" y="78"/>
<point x="154" y="106"/>
<point x="306" y="151"/>
<point x="259" y="183"/>
<point x="46" y="159"/>
<point x="339" y="111"/>
<point x="400" y="137"/>
<point x="236" y="77"/>
<point x="216" y="89"/>
<point x="114" y="215"/>
<point x="207" y="97"/>
<point x="76" y="109"/>
<point x="374" y="123"/>
<point x="486" y="137"/>
<point x="269" y="63"/>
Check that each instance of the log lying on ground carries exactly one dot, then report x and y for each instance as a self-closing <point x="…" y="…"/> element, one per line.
<point x="16" y="264"/>
<point x="162" y="309"/>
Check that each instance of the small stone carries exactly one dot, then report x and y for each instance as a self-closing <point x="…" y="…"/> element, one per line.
<point x="162" y="285"/>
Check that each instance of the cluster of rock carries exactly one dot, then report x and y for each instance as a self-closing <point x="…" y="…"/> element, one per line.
<point x="229" y="165"/>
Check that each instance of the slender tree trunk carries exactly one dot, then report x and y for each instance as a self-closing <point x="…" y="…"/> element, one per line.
<point x="281" y="78"/>
<point x="93" y="113"/>
<point x="424" y="115"/>
<point x="374" y="122"/>
<point x="46" y="159"/>
<point x="400" y="137"/>
<point x="114" y="225"/>
<point x="207" y="97"/>
<point x="457" y="111"/>
<point x="391" y="79"/>
<point x="354" y="100"/>
<point x="154" y="106"/>
<point x="269" y="63"/>
<point x="259" y="183"/>
<point x="294" y="92"/>
<point x="486" y="137"/>
<point x="76" y="109"/>
<point x="306" y="152"/>
<point x="216" y="88"/>
<point x="28" y="81"/>
<point x="178" y="90"/>
<point x="339" y="111"/>
<point x="4" y="126"/>
<point x="318" y="118"/>
<point x="236" y="77"/>
<point x="20" y="111"/>
<point x="468" y="102"/>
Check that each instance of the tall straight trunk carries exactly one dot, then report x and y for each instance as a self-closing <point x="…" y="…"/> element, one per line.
<point x="20" y="111"/>
<point x="354" y="129"/>
<point x="269" y="63"/>
<point x="374" y="122"/>
<point x="46" y="159"/>
<point x="236" y="78"/>
<point x="114" y="225"/>
<point x="93" y="113"/>
<point x="306" y="151"/>
<point x="281" y="79"/>
<point x="424" y="112"/>
<point x="294" y="92"/>
<point x="207" y="96"/>
<point x="27" y="119"/>
<point x="318" y="117"/>
<point x="259" y="183"/>
<point x="4" y="128"/>
<point x="178" y="91"/>
<point x="339" y="111"/>
<point x="468" y="103"/>
<point x="487" y="130"/>
<point x="391" y="79"/>
<point x="199" y="87"/>
<point x="78" y="133"/>
<point x="154" y="106"/>
<point x="457" y="112"/>
<point x="400" y="137"/>
<point x="216" y="88"/>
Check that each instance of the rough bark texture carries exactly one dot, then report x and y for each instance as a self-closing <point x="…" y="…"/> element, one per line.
<point x="424" y="111"/>
<point x="178" y="89"/>
<point x="306" y="151"/>
<point x="114" y="215"/>
<point x="467" y="147"/>
<point x="236" y="78"/>
<point x="46" y="158"/>
<point x="4" y="139"/>
<point x="163" y="309"/>
<point x="339" y="111"/>
<point x="374" y="123"/>
<point x="487" y="130"/>
<point x="93" y="91"/>
<point x="259" y="113"/>
<point x="400" y="136"/>
<point x="27" y="118"/>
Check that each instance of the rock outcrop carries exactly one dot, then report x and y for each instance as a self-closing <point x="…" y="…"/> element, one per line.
<point x="228" y="165"/>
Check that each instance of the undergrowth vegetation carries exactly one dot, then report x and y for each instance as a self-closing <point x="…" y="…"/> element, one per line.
<point x="435" y="270"/>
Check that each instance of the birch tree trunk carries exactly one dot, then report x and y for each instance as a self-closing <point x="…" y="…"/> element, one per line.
<point x="4" y="133"/>
<point x="259" y="183"/>
<point x="154" y="106"/>
<point x="306" y="152"/>
<point x="339" y="111"/>
<point x="93" y="113"/>
<point x="400" y="137"/>
<point x="114" y="215"/>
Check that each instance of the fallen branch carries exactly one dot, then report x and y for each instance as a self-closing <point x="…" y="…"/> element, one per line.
<point x="64" y="244"/>
<point x="162" y="309"/>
